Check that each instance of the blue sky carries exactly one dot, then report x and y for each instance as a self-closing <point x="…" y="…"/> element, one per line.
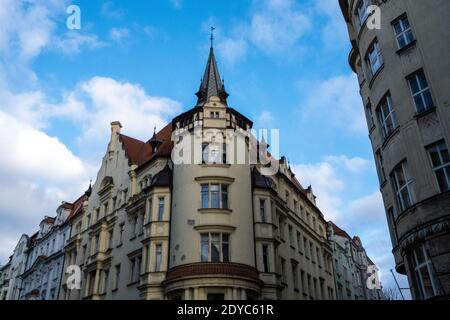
<point x="284" y="63"/>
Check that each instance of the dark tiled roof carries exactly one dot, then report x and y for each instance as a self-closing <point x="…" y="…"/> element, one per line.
<point x="338" y="231"/>
<point x="139" y="152"/>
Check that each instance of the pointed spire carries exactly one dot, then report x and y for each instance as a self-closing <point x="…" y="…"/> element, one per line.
<point x="211" y="84"/>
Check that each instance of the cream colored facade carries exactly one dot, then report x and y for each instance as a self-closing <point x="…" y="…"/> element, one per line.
<point x="403" y="69"/>
<point x="211" y="227"/>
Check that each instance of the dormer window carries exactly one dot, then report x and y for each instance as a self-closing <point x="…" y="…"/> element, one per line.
<point x="215" y="115"/>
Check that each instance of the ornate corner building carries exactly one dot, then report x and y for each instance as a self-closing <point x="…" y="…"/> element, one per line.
<point x="403" y="69"/>
<point x="210" y="227"/>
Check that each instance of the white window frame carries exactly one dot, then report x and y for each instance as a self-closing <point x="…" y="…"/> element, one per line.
<point x="363" y="11"/>
<point x="399" y="189"/>
<point x="404" y="31"/>
<point x="438" y="148"/>
<point x="418" y="275"/>
<point x="383" y="118"/>
<point x="421" y="92"/>
<point x="374" y="58"/>
<point x="221" y="246"/>
<point x="224" y="191"/>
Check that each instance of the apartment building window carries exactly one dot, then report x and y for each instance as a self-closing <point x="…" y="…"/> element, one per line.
<point x="296" y="207"/>
<point x="97" y="243"/>
<point x="110" y="239"/>
<point x="318" y="257"/>
<point x="374" y="58"/>
<point x="401" y="185"/>
<point x="291" y="235"/>
<point x="403" y="32"/>
<point x="215" y="247"/>
<point x="362" y="9"/>
<point x="214" y="153"/>
<point x="262" y="210"/>
<point x="295" y="275"/>
<point x="283" y="270"/>
<point x="300" y="242"/>
<point x="161" y="209"/>
<point x="303" y="280"/>
<point x="214" y="115"/>
<point x="88" y="221"/>
<point x="310" y="287"/>
<point x="117" y="279"/>
<point x="314" y="223"/>
<point x="265" y="254"/>
<point x="424" y="273"/>
<point x="386" y="116"/>
<point x="135" y="227"/>
<point x="158" y="258"/>
<point x="380" y="161"/>
<point x="135" y="268"/>
<point x="312" y="252"/>
<point x="307" y="252"/>
<point x="214" y="196"/>
<point x="440" y="160"/>
<point x="420" y="91"/>
<point x="121" y="232"/>
<point x="369" y="113"/>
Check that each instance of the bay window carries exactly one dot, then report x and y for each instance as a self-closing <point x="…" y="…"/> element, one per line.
<point x="401" y="185"/>
<point x="424" y="275"/>
<point x="386" y="117"/>
<point x="440" y="160"/>
<point x="214" y="196"/>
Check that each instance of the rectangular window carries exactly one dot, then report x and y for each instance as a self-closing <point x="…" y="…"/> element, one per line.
<point x="161" y="209"/>
<point x="262" y="210"/>
<point x="158" y="258"/>
<point x="401" y="185"/>
<point x="381" y="166"/>
<point x="386" y="117"/>
<point x="291" y="235"/>
<point x="303" y="280"/>
<point x="213" y="153"/>
<point x="403" y="32"/>
<point x="299" y="242"/>
<point x="215" y="247"/>
<point x="440" y="160"/>
<point x="294" y="275"/>
<point x="369" y="113"/>
<point x="117" y="279"/>
<point x="214" y="196"/>
<point x="420" y="92"/>
<point x="121" y="231"/>
<point x="424" y="273"/>
<point x="265" y="254"/>
<point x="283" y="270"/>
<point x="307" y="252"/>
<point x="110" y="239"/>
<point x="374" y="58"/>
<point x="363" y="13"/>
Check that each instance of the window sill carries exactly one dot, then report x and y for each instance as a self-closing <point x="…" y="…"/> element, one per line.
<point x="215" y="210"/>
<point x="215" y="165"/>
<point x="132" y="283"/>
<point x="422" y="114"/>
<point x="119" y="245"/>
<point x="410" y="45"/>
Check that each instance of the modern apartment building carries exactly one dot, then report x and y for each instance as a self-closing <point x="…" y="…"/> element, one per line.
<point x="403" y="69"/>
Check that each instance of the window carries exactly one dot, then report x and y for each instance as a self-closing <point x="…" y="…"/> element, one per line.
<point x="110" y="239"/>
<point x="294" y="275"/>
<point x="374" y="58"/>
<point x="214" y="196"/>
<point x="420" y="92"/>
<point x="116" y="281"/>
<point x="380" y="161"/>
<point x="88" y="220"/>
<point x="369" y="113"/>
<point x="121" y="231"/>
<point x="291" y="235"/>
<point x="158" y="258"/>
<point x="215" y="247"/>
<point x="214" y="153"/>
<point x="262" y="210"/>
<point x="307" y="252"/>
<point x="135" y="227"/>
<point x="403" y="32"/>
<point x="215" y="115"/>
<point x="265" y="254"/>
<point x="97" y="243"/>
<point x="135" y="268"/>
<point x="161" y="209"/>
<point x="283" y="270"/>
<point x="363" y="13"/>
<point x="386" y="117"/>
<point x="311" y="248"/>
<point x="299" y="242"/>
<point x="401" y="185"/>
<point x="318" y="256"/>
<point x="440" y="160"/>
<point x="303" y="280"/>
<point x="423" y="272"/>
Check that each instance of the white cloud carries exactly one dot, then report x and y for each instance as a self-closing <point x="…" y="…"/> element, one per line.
<point x="354" y="165"/>
<point x="335" y="101"/>
<point x="73" y="41"/>
<point x="177" y="4"/>
<point x="119" y="34"/>
<point x="334" y="30"/>
<point x="232" y="50"/>
<point x="109" y="10"/>
<point x="276" y="25"/>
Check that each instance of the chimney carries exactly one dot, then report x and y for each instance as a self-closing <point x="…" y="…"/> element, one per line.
<point x="116" y="126"/>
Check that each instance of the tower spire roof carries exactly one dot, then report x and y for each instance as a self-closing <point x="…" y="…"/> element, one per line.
<point x="212" y="84"/>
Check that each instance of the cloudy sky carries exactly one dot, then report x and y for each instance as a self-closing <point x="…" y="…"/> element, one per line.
<point x="140" y="62"/>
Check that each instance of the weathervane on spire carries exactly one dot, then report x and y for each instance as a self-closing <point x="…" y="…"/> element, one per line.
<point x="212" y="35"/>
